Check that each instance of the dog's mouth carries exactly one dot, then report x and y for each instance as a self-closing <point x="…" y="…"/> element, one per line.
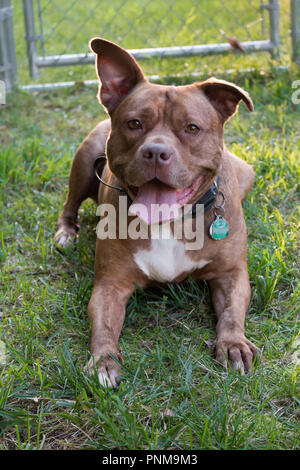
<point x="156" y="202"/>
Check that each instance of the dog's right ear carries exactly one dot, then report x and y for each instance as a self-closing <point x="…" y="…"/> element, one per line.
<point x="117" y="70"/>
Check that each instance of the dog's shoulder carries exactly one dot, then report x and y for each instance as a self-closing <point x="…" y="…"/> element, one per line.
<point x="243" y="171"/>
<point x="94" y="144"/>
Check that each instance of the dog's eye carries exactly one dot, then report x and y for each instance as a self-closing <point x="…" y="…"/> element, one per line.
<point x="134" y="124"/>
<point x="192" y="129"/>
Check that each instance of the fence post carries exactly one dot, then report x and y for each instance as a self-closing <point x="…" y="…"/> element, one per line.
<point x="295" y="30"/>
<point x="274" y="26"/>
<point x="31" y="37"/>
<point x="8" y="61"/>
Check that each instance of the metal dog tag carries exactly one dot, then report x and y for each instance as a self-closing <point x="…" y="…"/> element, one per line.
<point x="219" y="228"/>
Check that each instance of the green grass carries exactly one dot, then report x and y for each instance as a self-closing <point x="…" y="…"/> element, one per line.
<point x="175" y="396"/>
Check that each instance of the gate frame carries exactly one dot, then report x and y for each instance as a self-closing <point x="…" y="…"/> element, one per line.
<point x="295" y="30"/>
<point x="36" y="62"/>
<point x="8" y="61"/>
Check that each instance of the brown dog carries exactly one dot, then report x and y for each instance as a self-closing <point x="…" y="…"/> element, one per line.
<point x="164" y="144"/>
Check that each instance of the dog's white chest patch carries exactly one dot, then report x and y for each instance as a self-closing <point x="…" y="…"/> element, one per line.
<point x="166" y="260"/>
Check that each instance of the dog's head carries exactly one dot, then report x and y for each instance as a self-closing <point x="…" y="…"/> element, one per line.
<point x="166" y="142"/>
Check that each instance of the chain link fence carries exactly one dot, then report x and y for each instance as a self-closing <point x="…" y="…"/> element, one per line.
<point x="57" y="33"/>
<point x="152" y="32"/>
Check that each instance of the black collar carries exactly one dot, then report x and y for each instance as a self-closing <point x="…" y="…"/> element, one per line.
<point x="208" y="199"/>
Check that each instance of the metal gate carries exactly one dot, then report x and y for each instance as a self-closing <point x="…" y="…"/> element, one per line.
<point x="57" y="33"/>
<point x="39" y="31"/>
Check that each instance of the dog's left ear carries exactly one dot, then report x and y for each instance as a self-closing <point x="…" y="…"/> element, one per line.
<point x="225" y="97"/>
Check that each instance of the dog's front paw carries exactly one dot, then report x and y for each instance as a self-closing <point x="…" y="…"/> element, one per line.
<point x="237" y="351"/>
<point x="65" y="237"/>
<point x="108" y="369"/>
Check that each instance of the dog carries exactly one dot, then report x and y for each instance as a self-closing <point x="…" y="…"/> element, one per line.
<point x="164" y="145"/>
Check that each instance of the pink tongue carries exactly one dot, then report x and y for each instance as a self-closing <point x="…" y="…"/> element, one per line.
<point x="155" y="202"/>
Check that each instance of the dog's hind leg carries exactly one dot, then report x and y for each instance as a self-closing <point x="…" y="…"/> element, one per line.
<point x="83" y="183"/>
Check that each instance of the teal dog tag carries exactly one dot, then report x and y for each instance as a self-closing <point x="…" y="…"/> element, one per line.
<point x="219" y="228"/>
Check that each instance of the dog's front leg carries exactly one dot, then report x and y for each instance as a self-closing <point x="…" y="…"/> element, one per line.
<point x="230" y="296"/>
<point x="106" y="311"/>
<point x="83" y="183"/>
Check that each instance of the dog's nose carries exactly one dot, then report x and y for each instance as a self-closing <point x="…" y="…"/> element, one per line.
<point x="157" y="153"/>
